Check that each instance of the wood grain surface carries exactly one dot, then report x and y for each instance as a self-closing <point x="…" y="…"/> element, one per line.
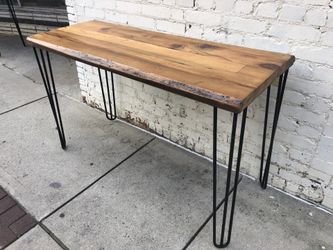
<point x="229" y="77"/>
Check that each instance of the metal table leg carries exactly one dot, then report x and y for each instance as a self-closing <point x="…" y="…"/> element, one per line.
<point x="264" y="172"/>
<point x="13" y="14"/>
<point x="224" y="241"/>
<point x="112" y="113"/>
<point x="48" y="80"/>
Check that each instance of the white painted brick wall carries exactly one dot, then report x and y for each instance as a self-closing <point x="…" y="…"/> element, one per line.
<point x="292" y="12"/>
<point x="269" y="9"/>
<point x="303" y="154"/>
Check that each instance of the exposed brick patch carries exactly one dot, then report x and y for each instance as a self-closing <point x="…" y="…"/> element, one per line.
<point x="22" y="225"/>
<point x="14" y="221"/>
<point x="6" y="203"/>
<point x="32" y="19"/>
<point x="6" y="236"/>
<point x="2" y="193"/>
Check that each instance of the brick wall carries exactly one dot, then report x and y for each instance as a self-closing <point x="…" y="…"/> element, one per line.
<point x="32" y="19"/>
<point x="303" y="154"/>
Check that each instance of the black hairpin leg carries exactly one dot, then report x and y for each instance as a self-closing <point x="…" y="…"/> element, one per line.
<point x="13" y="14"/>
<point x="48" y="80"/>
<point x="264" y="172"/>
<point x="224" y="241"/>
<point x="111" y="111"/>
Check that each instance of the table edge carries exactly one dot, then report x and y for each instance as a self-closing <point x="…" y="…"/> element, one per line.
<point x="196" y="93"/>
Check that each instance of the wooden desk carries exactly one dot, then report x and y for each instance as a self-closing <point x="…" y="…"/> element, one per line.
<point x="224" y="76"/>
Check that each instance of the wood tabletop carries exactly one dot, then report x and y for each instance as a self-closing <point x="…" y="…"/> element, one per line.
<point x="227" y="76"/>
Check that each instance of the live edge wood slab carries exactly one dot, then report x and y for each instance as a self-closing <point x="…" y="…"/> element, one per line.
<point x="226" y="76"/>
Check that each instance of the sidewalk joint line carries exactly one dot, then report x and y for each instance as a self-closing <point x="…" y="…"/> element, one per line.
<point x="98" y="179"/>
<point x="53" y="236"/>
<point x="20" y="106"/>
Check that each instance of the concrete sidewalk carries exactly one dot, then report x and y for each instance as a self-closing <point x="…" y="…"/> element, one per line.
<point x="117" y="187"/>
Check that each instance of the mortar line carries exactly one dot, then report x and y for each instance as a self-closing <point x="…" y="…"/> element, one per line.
<point x="26" y="212"/>
<point x="98" y="179"/>
<point x="20" y="106"/>
<point x="53" y="236"/>
<point x="20" y="236"/>
<point x="13" y="205"/>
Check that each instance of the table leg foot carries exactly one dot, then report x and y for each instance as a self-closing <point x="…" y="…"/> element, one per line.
<point x="225" y="235"/>
<point x="111" y="111"/>
<point x="13" y="14"/>
<point x="48" y="80"/>
<point x="263" y="178"/>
